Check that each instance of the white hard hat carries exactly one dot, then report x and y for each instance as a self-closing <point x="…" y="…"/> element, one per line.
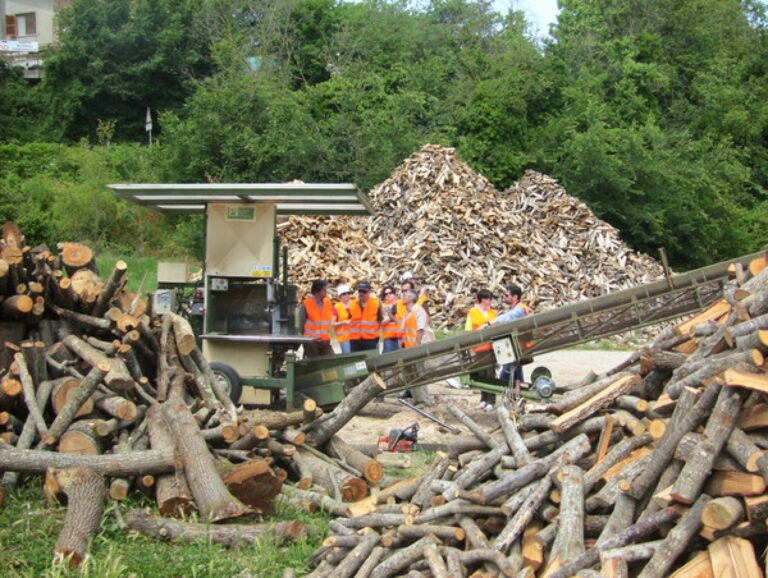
<point x="405" y="276"/>
<point x="341" y="289"/>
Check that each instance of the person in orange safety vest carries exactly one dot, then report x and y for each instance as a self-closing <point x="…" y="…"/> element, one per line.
<point x="366" y="319"/>
<point x="390" y="326"/>
<point x="315" y="319"/>
<point x="342" y="318"/>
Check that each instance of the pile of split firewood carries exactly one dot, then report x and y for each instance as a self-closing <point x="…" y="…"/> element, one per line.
<point x="657" y="468"/>
<point x="444" y="222"/>
<point x="102" y="397"/>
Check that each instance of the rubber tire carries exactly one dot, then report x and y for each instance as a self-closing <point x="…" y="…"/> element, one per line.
<point x="230" y="378"/>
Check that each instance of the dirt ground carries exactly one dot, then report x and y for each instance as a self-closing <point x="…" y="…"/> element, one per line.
<point x="379" y="417"/>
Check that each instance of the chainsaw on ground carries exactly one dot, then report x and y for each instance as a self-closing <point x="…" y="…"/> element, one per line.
<point x="400" y="440"/>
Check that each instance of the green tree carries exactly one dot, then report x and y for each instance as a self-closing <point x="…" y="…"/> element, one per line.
<point x="117" y="58"/>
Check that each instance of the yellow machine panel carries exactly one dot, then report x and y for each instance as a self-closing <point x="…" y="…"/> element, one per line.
<point x="239" y="240"/>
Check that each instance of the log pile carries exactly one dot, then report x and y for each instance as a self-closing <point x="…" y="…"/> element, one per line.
<point x="103" y="398"/>
<point x="446" y="223"/>
<point x="656" y="468"/>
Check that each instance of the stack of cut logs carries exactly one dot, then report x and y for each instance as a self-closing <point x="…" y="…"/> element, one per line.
<point x="656" y="468"/>
<point x="102" y="398"/>
<point x="441" y="220"/>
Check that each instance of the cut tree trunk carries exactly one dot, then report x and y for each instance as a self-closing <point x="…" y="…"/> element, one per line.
<point x="230" y="535"/>
<point x="213" y="500"/>
<point x="255" y="484"/>
<point x="172" y="492"/>
<point x="360" y="395"/>
<point x="85" y="504"/>
<point x="118" y="379"/>
<point x="368" y="467"/>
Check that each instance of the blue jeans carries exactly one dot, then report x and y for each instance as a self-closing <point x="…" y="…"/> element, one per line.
<point x="506" y="369"/>
<point x="391" y="344"/>
<point x="346" y="346"/>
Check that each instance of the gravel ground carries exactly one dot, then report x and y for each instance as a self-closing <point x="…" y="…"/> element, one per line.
<point x="568" y="367"/>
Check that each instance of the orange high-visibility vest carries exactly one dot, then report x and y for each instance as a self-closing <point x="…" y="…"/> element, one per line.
<point x="318" y="323"/>
<point x="343" y="332"/>
<point x="476" y="320"/>
<point x="391" y="329"/>
<point x="365" y="321"/>
<point x="410" y="328"/>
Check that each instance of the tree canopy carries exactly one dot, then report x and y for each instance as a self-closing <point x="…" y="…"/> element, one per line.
<point x="654" y="112"/>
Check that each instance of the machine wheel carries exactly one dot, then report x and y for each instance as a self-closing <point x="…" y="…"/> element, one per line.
<point x="229" y="378"/>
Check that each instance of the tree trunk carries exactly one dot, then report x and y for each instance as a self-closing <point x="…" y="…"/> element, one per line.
<point x="360" y="395"/>
<point x="118" y="379"/>
<point x="85" y="498"/>
<point x="676" y="541"/>
<point x="369" y="468"/>
<point x="172" y="492"/>
<point x="75" y="401"/>
<point x="230" y="535"/>
<point x="213" y="500"/>
<point x="110" y="288"/>
<point x="255" y="484"/>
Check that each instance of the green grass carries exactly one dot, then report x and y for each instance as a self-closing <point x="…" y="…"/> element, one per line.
<point x="29" y="528"/>
<point x="142" y="271"/>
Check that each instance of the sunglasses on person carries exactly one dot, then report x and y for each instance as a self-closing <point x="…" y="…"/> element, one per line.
<point x="389" y="292"/>
<point x="362" y="290"/>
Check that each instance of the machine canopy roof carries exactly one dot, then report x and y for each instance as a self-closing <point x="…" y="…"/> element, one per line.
<point x="290" y="198"/>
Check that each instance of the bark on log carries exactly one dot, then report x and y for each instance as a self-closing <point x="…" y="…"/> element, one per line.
<point x="212" y="498"/>
<point x="699" y="465"/>
<point x="369" y="468"/>
<point x="569" y="542"/>
<point x="118" y="379"/>
<point x="436" y="563"/>
<point x="229" y="535"/>
<point x="622" y="386"/>
<point x="473" y="427"/>
<point x="28" y="433"/>
<point x="371" y="562"/>
<point x="514" y="528"/>
<point x="329" y="476"/>
<point x="110" y="288"/>
<point x="662" y="454"/>
<point x="74" y="401"/>
<point x="172" y="492"/>
<point x="358" y="555"/>
<point x="632" y="534"/>
<point x="435" y="472"/>
<point x="676" y="541"/>
<point x="401" y="559"/>
<point x="514" y="440"/>
<point x="28" y="389"/>
<point x="571" y="451"/>
<point x="360" y="395"/>
<point x="85" y="498"/>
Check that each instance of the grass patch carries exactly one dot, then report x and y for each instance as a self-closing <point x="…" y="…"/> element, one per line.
<point x="29" y="528"/>
<point x="420" y="461"/>
<point x="141" y="274"/>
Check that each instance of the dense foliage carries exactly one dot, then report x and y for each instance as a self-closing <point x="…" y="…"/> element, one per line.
<point x="655" y="112"/>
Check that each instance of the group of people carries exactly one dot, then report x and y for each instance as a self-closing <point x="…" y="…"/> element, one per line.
<point x="482" y="315"/>
<point x="360" y="323"/>
<point x="364" y="322"/>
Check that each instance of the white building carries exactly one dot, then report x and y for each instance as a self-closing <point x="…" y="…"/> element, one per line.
<point x="26" y="27"/>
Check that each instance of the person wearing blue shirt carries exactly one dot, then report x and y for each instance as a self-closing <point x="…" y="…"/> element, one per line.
<point x="512" y="297"/>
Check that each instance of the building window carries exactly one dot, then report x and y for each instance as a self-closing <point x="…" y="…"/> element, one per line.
<point x="26" y="24"/>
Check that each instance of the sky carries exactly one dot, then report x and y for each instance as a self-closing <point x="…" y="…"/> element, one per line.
<point x="540" y="13"/>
